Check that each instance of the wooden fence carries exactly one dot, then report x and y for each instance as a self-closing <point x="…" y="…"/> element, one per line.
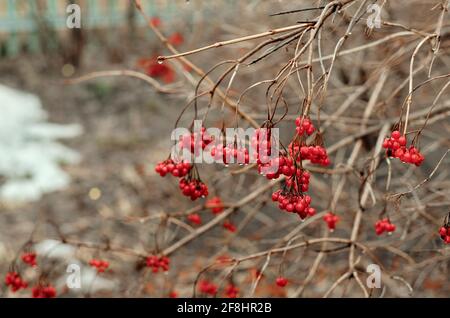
<point x="19" y="18"/>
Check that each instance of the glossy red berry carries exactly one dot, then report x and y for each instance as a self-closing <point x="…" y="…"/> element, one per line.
<point x="207" y="287"/>
<point x="195" y="218"/>
<point x="230" y="154"/>
<point x="444" y="232"/>
<point x="384" y="225"/>
<point x="215" y="204"/>
<point x="281" y="281"/>
<point x="193" y="188"/>
<point x="168" y="166"/>
<point x="231" y="291"/>
<point x="396" y="147"/>
<point x="304" y="126"/>
<point x="195" y="141"/>
<point x="15" y="281"/>
<point x="331" y="219"/>
<point x="156" y="263"/>
<point x="43" y="291"/>
<point x="29" y="258"/>
<point x="100" y="265"/>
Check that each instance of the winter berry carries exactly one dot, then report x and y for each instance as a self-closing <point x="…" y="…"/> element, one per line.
<point x="384" y="225"/>
<point x="195" y="218"/>
<point x="15" y="281"/>
<point x="316" y="154"/>
<point x="43" y="291"/>
<point x="155" y="263"/>
<point x="331" y="219"/>
<point x="230" y="154"/>
<point x="261" y="146"/>
<point x="290" y="200"/>
<point x="281" y="281"/>
<point x="229" y="226"/>
<point x="193" y="188"/>
<point x="29" y="258"/>
<point x="231" y="291"/>
<point x="207" y="287"/>
<point x="178" y="170"/>
<point x="195" y="141"/>
<point x="304" y="126"/>
<point x="173" y="294"/>
<point x="396" y="147"/>
<point x="215" y="204"/>
<point x="100" y="265"/>
<point x="444" y="232"/>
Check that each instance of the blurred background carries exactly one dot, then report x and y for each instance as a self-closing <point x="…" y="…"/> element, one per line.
<point x="77" y="159"/>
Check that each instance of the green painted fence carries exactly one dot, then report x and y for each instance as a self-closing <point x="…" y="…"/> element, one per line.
<point x="18" y="18"/>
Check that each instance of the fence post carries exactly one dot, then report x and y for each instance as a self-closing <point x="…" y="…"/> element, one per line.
<point x="12" y="44"/>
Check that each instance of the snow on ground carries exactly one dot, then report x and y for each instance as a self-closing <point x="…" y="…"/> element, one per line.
<point x="30" y="156"/>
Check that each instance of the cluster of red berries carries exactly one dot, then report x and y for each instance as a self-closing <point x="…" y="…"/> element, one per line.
<point x="276" y="167"/>
<point x="315" y="154"/>
<point x="156" y="263"/>
<point x="384" y="225"/>
<point x="230" y="154"/>
<point x="229" y="226"/>
<point x="195" y="141"/>
<point x="193" y="188"/>
<point x="215" y="204"/>
<point x="207" y="287"/>
<point x="178" y="170"/>
<point x="195" y="218"/>
<point x="44" y="291"/>
<point x="331" y="219"/>
<point x="15" y="281"/>
<point x="261" y="143"/>
<point x="300" y="181"/>
<point x="231" y="291"/>
<point x="290" y="202"/>
<point x="281" y="281"/>
<point x="444" y="232"/>
<point x="304" y="126"/>
<point x="29" y="258"/>
<point x="396" y="147"/>
<point x="100" y="265"/>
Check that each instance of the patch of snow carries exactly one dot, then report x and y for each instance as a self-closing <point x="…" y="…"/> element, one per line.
<point x="90" y="280"/>
<point x="30" y="158"/>
<point x="55" y="249"/>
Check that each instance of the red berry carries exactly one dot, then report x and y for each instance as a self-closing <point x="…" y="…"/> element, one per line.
<point x="207" y="287"/>
<point x="331" y="219"/>
<point x="15" y="281"/>
<point x="100" y="265"/>
<point x="29" y="258"/>
<point x="229" y="226"/>
<point x="195" y="218"/>
<point x="281" y="281"/>
<point x="155" y="263"/>
<point x="43" y="291"/>
<point x="215" y="204"/>
<point x="231" y="291"/>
